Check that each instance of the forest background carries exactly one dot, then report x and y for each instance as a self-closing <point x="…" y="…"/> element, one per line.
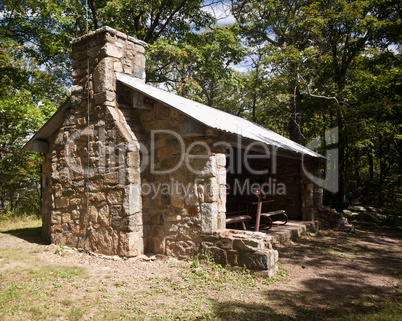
<point x="298" y="67"/>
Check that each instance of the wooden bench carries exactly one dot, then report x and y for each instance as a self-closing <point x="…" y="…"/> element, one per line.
<point x="234" y="219"/>
<point x="266" y="217"/>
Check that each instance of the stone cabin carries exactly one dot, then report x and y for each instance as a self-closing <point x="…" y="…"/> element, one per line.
<point x="130" y="169"/>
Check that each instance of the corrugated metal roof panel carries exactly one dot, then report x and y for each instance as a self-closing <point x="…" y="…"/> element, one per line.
<point x="216" y="118"/>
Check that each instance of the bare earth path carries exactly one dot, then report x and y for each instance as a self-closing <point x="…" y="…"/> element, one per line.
<point x="330" y="275"/>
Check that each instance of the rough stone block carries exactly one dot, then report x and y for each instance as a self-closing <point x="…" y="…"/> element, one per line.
<point x="248" y="245"/>
<point x="93" y="52"/>
<point x="118" y="67"/>
<point x="130" y="244"/>
<point x="71" y="240"/>
<point x="105" y="241"/>
<point x="57" y="190"/>
<point x="61" y="202"/>
<point x="103" y="76"/>
<point x="55" y="218"/>
<point x="219" y="255"/>
<point x="92" y="214"/>
<point x="75" y="214"/>
<point x="133" y="176"/>
<point x="64" y="176"/>
<point x="116" y="210"/>
<point x="130" y="223"/>
<point x="201" y="193"/>
<point x="205" y="167"/>
<point x="220" y="160"/>
<point x="104" y="215"/>
<point x="139" y="48"/>
<point x="221" y="175"/>
<point x="257" y="260"/>
<point x="209" y="215"/>
<point x="111" y="50"/>
<point x="132" y="201"/>
<point x="232" y="258"/>
<point x="180" y="249"/>
<point x="139" y="72"/>
<point x="191" y="197"/>
<point x="104" y="96"/>
<point x="133" y="159"/>
<point x="111" y="178"/>
<point x="115" y="197"/>
<point x="225" y="243"/>
<point x="100" y="197"/>
<point x="211" y="190"/>
<point x="118" y="223"/>
<point x="81" y="121"/>
<point x="76" y="90"/>
<point x="65" y="218"/>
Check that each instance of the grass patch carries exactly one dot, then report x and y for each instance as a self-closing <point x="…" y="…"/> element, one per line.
<point x="75" y="313"/>
<point x="280" y="276"/>
<point x="56" y="271"/>
<point x="206" y="272"/>
<point x="9" y="223"/>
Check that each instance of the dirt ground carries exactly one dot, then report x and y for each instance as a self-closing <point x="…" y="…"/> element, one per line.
<point x="324" y="275"/>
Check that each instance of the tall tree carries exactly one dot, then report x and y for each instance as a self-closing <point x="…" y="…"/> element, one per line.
<point x="150" y="20"/>
<point x="26" y="101"/>
<point x="347" y="30"/>
<point x="314" y="45"/>
<point x="199" y="65"/>
<point x="284" y="27"/>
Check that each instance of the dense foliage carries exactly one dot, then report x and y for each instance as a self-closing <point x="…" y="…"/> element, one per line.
<point x="311" y="66"/>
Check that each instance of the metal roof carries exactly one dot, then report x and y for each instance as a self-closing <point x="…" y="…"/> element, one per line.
<point x="216" y="118"/>
<point x="209" y="116"/>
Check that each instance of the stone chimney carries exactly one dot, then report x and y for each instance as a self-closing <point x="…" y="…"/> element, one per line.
<point x="96" y="204"/>
<point x="105" y="51"/>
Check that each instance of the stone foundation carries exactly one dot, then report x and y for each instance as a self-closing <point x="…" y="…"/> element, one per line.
<point x="330" y="218"/>
<point x="241" y="248"/>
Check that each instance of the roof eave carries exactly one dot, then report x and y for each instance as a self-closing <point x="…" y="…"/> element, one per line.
<point x="49" y="127"/>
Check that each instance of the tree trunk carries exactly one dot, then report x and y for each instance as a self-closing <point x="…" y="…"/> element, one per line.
<point x="254" y="101"/>
<point x="340" y="195"/>
<point x="294" y="122"/>
<point x="371" y="165"/>
<point x="357" y="173"/>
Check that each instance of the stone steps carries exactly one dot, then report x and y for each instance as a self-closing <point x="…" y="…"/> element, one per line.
<point x="282" y="233"/>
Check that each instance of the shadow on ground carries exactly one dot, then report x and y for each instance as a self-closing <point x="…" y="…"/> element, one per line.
<point x="290" y="305"/>
<point x="29" y="234"/>
<point x="350" y="277"/>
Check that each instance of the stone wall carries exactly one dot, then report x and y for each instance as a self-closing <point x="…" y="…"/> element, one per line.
<point x="91" y="174"/>
<point x="180" y="204"/>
